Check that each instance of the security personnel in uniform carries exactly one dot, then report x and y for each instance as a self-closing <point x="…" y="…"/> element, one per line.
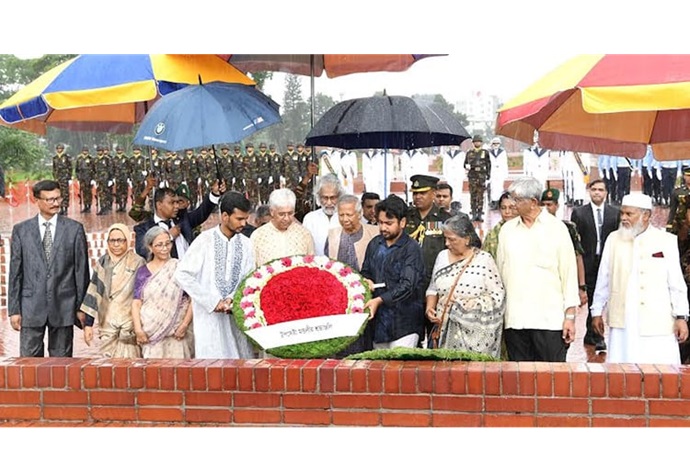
<point x="104" y="178"/>
<point x="263" y="173"/>
<point x="84" y="171"/>
<point x="250" y="168"/>
<point x="276" y="167"/>
<point x="678" y="205"/>
<point x="478" y="166"/>
<point x="190" y="177"/>
<point x="225" y="165"/>
<point x="62" y="173"/>
<point x="291" y="167"/>
<point x="140" y="166"/>
<point x="238" y="168"/>
<point x="122" y="171"/>
<point x="424" y="221"/>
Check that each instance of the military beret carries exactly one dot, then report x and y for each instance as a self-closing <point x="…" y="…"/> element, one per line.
<point x="300" y="145"/>
<point x="225" y="147"/>
<point x="60" y="146"/>
<point x="686" y="170"/>
<point x="183" y="191"/>
<point x="248" y="145"/>
<point x="262" y="145"/>
<point x="551" y="194"/>
<point x="85" y="148"/>
<point x="477" y="138"/>
<point x="119" y="149"/>
<point x="290" y="144"/>
<point x="136" y="148"/>
<point x="99" y="148"/>
<point x="423" y="182"/>
<point x="272" y="146"/>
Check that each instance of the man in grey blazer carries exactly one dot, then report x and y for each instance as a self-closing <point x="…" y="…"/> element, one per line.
<point x="49" y="274"/>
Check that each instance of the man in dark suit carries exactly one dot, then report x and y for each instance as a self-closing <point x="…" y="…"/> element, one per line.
<point x="49" y="274"/>
<point x="594" y="221"/>
<point x="180" y="223"/>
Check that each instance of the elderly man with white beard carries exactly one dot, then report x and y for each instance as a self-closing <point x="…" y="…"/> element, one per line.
<point x="319" y="222"/>
<point x="641" y="284"/>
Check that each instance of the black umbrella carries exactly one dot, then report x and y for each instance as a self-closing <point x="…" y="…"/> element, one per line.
<point x="386" y="122"/>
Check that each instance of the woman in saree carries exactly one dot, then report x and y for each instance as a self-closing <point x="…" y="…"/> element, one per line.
<point x="162" y="312"/>
<point x="109" y="296"/>
<point x="508" y="210"/>
<point x="466" y="293"/>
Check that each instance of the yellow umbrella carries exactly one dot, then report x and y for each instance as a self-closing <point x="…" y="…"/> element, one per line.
<point x="108" y="93"/>
<point x="610" y="104"/>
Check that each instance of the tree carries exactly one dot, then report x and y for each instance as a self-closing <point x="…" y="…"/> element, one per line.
<point x="295" y="111"/>
<point x="21" y="151"/>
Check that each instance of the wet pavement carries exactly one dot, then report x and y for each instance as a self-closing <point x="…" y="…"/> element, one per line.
<point x="97" y="225"/>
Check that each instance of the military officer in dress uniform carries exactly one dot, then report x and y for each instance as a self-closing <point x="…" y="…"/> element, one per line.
<point x="263" y="173"/>
<point x="499" y="171"/>
<point x="62" y="173"/>
<point x="104" y="178"/>
<point x="122" y="171"/>
<point x="84" y="171"/>
<point x="478" y="166"/>
<point x="424" y="221"/>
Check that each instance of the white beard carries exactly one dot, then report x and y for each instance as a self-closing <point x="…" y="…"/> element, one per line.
<point x="630" y="233"/>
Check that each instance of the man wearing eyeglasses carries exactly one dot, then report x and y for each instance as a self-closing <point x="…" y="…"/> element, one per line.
<point x="49" y="274"/>
<point x="319" y="222"/>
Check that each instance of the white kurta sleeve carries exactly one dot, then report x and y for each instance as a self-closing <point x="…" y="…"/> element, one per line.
<point x="601" y="292"/>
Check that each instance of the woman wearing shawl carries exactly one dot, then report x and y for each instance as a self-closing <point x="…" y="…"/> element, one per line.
<point x="162" y="312"/>
<point x="109" y="297"/>
<point x="466" y="293"/>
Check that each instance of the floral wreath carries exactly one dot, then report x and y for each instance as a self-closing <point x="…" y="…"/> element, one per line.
<point x="301" y="290"/>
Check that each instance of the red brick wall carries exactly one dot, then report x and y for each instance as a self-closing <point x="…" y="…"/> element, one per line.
<point x="46" y="392"/>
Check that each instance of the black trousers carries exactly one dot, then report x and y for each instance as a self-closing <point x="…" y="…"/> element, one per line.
<point x="535" y="345"/>
<point x="59" y="341"/>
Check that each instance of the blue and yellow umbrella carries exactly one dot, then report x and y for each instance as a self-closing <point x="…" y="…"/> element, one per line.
<point x="108" y="93"/>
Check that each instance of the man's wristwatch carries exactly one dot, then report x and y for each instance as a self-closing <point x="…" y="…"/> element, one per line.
<point x="681" y="317"/>
<point x="583" y="287"/>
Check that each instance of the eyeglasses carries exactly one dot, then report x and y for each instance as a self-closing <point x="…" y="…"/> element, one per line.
<point x="162" y="245"/>
<point x="52" y="200"/>
<point x="117" y="241"/>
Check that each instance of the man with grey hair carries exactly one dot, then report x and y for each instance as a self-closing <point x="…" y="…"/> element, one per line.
<point x="282" y="236"/>
<point x="536" y="260"/>
<point x="348" y="243"/>
<point x="320" y="221"/>
<point x="641" y="284"/>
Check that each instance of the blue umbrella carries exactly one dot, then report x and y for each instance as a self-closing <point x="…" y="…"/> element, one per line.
<point x="206" y="114"/>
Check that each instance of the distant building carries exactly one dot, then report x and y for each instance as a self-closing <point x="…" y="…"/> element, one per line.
<point x="481" y="110"/>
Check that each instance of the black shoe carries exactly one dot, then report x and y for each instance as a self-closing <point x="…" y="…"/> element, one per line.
<point x="589" y="341"/>
<point x="600" y="346"/>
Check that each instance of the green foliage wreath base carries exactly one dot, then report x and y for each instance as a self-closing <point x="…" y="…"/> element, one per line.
<point x="306" y="350"/>
<point x="405" y="353"/>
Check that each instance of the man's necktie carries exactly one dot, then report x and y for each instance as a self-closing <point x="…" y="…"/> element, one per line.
<point x="599" y="224"/>
<point x="47" y="241"/>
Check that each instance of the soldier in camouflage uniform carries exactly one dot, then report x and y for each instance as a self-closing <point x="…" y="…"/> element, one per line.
<point x="250" y="167"/>
<point x="84" y="172"/>
<point x="225" y="165"/>
<point x="172" y="179"/>
<point x="140" y="166"/>
<point x="190" y="176"/>
<point x="237" y="169"/>
<point x="122" y="170"/>
<point x="291" y="167"/>
<point x="478" y="166"/>
<point x="263" y="173"/>
<point x="157" y="167"/>
<point x="62" y="173"/>
<point x="104" y="178"/>
<point x="276" y="167"/>
<point x="210" y="170"/>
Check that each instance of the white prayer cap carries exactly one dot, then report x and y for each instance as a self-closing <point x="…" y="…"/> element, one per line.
<point x="496" y="140"/>
<point x="637" y="200"/>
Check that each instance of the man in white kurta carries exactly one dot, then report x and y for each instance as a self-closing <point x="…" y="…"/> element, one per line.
<point x="641" y="285"/>
<point x="319" y="222"/>
<point x="210" y="272"/>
